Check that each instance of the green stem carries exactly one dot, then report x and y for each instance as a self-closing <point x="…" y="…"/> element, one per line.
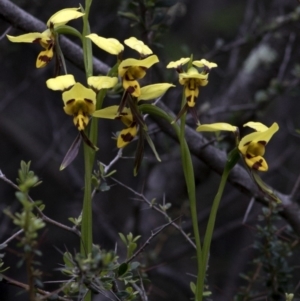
<point x="212" y="219"/>
<point x="89" y="155"/>
<point x="232" y="159"/>
<point x="191" y="189"/>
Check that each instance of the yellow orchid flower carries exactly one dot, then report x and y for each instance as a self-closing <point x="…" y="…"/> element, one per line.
<point x="110" y="45"/>
<point x="126" y="135"/>
<point x="252" y="146"/>
<point x="132" y="69"/>
<point x="192" y="79"/>
<point x="46" y="38"/>
<point x="79" y="101"/>
<point x="139" y="46"/>
<point x="102" y="82"/>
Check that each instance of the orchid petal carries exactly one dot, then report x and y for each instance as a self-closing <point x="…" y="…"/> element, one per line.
<point x="102" y="82"/>
<point x="126" y="136"/>
<point x="108" y="112"/>
<point x="31" y="37"/>
<point x="204" y="62"/>
<point x="257" y="163"/>
<point x="110" y="45"/>
<point x="138" y="45"/>
<point x="193" y="73"/>
<point x="145" y="63"/>
<point x="259" y="127"/>
<point x="176" y="64"/>
<point x="154" y="91"/>
<point x="64" y="16"/>
<point x="220" y="126"/>
<point x="61" y="83"/>
<point x="80" y="93"/>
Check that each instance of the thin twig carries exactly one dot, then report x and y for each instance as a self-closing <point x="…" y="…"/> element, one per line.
<point x="154" y="207"/>
<point x="147" y="242"/>
<point x="295" y="188"/>
<point x="113" y="161"/>
<point x="44" y="217"/>
<point x="5" y="32"/>
<point x="12" y="237"/>
<point x="26" y="287"/>
<point x="286" y="57"/>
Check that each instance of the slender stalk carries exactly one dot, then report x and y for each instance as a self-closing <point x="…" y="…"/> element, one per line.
<point x="89" y="155"/>
<point x="191" y="189"/>
<point x="190" y="182"/>
<point x="212" y="219"/>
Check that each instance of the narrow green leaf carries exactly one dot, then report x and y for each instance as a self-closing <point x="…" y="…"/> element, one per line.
<point x="265" y="188"/>
<point x="66" y="29"/>
<point x="151" y="144"/>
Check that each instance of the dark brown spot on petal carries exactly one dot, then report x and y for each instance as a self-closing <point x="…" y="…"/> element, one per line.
<point x="247" y="143"/>
<point x="262" y="142"/>
<point x="127" y="137"/>
<point x="257" y="164"/>
<point x="131" y="89"/>
<point x="45" y="58"/>
<point x="88" y="100"/>
<point x="70" y="101"/>
<point x="249" y="156"/>
<point x="36" y="40"/>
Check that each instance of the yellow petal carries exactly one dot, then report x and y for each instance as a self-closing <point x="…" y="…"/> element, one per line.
<point x="255" y="149"/>
<point x="110" y="45"/>
<point x="193" y="73"/>
<point x="154" y="91"/>
<point x="176" y="64"/>
<point x="138" y="45"/>
<point x="31" y="37"/>
<point x="44" y="58"/>
<point x="205" y="63"/>
<point x="132" y="86"/>
<point x="259" y="127"/>
<point x="108" y="112"/>
<point x="79" y="92"/>
<point x="80" y="120"/>
<point x="262" y="137"/>
<point x="62" y="82"/>
<point x="191" y="95"/>
<point x="257" y="163"/>
<point x="64" y="16"/>
<point x="145" y="63"/>
<point x="220" y="126"/>
<point x="126" y="136"/>
<point x="102" y="82"/>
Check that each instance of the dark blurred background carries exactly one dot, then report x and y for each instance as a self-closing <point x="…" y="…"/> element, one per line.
<point x="256" y="46"/>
